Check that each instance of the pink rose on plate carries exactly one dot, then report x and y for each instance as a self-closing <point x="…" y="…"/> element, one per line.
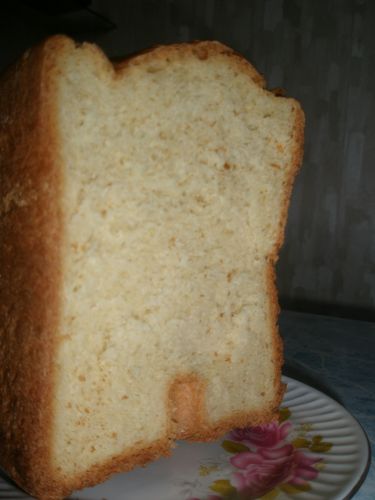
<point x="263" y="470"/>
<point x="265" y="436"/>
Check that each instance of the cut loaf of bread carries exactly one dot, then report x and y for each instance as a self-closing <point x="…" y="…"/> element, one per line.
<point x="143" y="205"/>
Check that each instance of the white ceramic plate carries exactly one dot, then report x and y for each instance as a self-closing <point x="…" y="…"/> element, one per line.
<point x="318" y="451"/>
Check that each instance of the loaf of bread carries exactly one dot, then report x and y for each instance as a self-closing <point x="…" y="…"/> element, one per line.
<point x="143" y="206"/>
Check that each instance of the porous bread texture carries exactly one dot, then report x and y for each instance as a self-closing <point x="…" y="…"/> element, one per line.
<point x="173" y="172"/>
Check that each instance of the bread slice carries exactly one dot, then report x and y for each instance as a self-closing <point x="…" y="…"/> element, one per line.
<point x="142" y="208"/>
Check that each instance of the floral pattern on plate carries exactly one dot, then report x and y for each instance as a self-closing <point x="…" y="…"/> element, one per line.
<point x="269" y="459"/>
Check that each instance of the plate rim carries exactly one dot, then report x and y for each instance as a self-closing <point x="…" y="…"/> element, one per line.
<point x="358" y="482"/>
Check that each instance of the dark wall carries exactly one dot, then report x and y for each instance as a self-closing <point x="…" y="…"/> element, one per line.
<point x="323" y="53"/>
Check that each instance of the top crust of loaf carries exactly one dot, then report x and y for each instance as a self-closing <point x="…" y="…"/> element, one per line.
<point x="30" y="259"/>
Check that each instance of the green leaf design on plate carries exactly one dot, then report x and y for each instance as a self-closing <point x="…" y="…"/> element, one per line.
<point x="233" y="447"/>
<point x="205" y="470"/>
<point x="284" y="414"/>
<point x="305" y="428"/>
<point x="270" y="495"/>
<point x="301" y="442"/>
<point x="320" y="446"/>
<point x="223" y="487"/>
<point x="292" y="488"/>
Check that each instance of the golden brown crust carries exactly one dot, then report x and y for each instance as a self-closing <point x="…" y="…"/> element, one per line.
<point x="30" y="225"/>
<point x="297" y="139"/>
<point x="30" y="263"/>
<point x="200" y="49"/>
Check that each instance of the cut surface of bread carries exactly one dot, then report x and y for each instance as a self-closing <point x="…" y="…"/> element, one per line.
<point x="143" y="206"/>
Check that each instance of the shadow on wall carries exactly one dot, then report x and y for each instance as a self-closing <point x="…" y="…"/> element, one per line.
<point x="339" y="311"/>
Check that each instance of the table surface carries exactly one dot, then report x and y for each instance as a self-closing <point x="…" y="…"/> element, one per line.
<point x="336" y="356"/>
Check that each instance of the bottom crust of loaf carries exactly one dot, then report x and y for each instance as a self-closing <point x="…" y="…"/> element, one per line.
<point x="187" y="421"/>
